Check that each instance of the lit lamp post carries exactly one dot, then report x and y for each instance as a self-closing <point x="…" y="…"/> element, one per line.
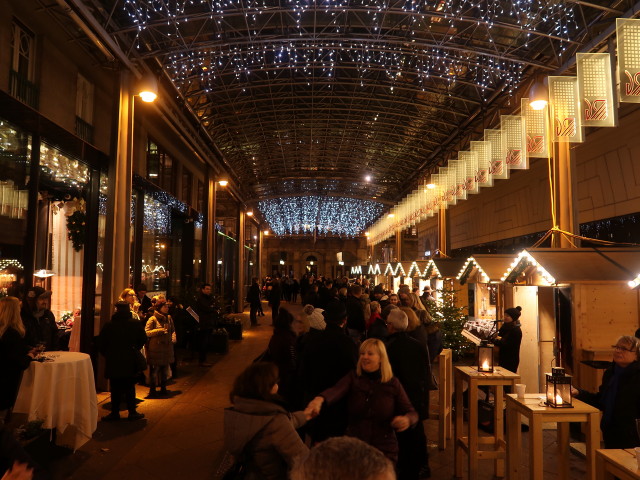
<point x="485" y="357"/>
<point x="559" y="389"/>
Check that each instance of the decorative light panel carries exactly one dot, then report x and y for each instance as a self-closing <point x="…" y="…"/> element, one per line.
<point x="514" y="142"/>
<point x="483" y="152"/>
<point x="628" y="38"/>
<point x="470" y="161"/>
<point x="595" y="90"/>
<point x="460" y="172"/>
<point x="565" y="109"/>
<point x="302" y="215"/>
<point x="537" y="130"/>
<point x="498" y="169"/>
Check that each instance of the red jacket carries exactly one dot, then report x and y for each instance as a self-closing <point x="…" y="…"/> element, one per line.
<point x="372" y="405"/>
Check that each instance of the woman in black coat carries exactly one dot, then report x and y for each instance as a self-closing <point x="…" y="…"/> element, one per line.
<point x="509" y="339"/>
<point x="283" y="352"/>
<point x="15" y="354"/>
<point x="619" y="396"/>
<point x="120" y="342"/>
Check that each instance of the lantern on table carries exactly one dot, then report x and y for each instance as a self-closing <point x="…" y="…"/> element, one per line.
<point x="559" y="389"/>
<point x="485" y="357"/>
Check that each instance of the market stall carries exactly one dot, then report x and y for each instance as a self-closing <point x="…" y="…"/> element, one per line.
<point x="441" y="271"/>
<point x="583" y="304"/>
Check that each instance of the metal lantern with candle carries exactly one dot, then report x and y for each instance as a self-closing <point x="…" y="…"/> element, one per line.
<point x="485" y="357"/>
<point x="559" y="389"/>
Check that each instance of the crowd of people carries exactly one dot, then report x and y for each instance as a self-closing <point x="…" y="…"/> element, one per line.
<point x="355" y="362"/>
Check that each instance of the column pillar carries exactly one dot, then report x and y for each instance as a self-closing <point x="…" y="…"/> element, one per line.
<point x="399" y="245"/>
<point x="210" y="228"/>
<point x="118" y="219"/>
<point x="241" y="294"/>
<point x="564" y="195"/>
<point x="443" y="232"/>
<point x="260" y="256"/>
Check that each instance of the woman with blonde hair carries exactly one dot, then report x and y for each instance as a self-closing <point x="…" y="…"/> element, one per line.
<point x="129" y="295"/>
<point x="377" y="404"/>
<point x="15" y="354"/>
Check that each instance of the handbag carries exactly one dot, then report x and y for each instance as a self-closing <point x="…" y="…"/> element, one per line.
<point x="140" y="361"/>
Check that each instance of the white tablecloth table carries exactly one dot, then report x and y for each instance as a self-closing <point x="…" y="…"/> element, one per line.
<point x="62" y="394"/>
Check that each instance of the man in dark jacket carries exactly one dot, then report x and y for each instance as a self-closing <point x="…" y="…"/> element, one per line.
<point x="208" y="313"/>
<point x="409" y="361"/>
<point x="275" y="295"/>
<point x="143" y="300"/>
<point x="39" y="322"/>
<point x="356" y="323"/>
<point x="120" y="342"/>
<point x="253" y="297"/>
<point x="325" y="357"/>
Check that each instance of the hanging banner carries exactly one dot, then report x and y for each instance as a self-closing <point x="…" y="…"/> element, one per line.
<point x="565" y="109"/>
<point x="483" y="153"/>
<point x="514" y="142"/>
<point x="470" y="160"/>
<point x="536" y="125"/>
<point x="448" y="185"/>
<point x="595" y="90"/>
<point x="498" y="168"/>
<point x="628" y="38"/>
<point x="440" y="200"/>
<point x="461" y="176"/>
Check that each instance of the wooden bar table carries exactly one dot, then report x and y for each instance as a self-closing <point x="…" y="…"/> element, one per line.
<point x="532" y="406"/>
<point x="612" y="463"/>
<point x="471" y="442"/>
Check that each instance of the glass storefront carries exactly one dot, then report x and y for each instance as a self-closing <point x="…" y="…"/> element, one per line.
<point x="61" y="230"/>
<point x="15" y="151"/>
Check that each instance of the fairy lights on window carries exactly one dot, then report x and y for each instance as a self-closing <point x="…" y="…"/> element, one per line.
<point x="325" y="215"/>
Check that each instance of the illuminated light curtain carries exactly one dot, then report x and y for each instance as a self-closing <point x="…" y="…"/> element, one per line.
<point x="470" y="160"/>
<point x="483" y="152"/>
<point x="439" y="179"/>
<point x="514" y="142"/>
<point x="460" y="170"/>
<point x="628" y="42"/>
<point x="448" y="185"/>
<point x="565" y="113"/>
<point x="536" y="124"/>
<point x="498" y="168"/>
<point x="595" y="90"/>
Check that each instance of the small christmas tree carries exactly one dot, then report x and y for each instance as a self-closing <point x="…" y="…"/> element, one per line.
<point x="452" y="319"/>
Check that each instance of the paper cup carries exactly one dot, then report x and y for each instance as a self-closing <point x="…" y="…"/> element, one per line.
<point x="520" y="389"/>
<point x="637" y="449"/>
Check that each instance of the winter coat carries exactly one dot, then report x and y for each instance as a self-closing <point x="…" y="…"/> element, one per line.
<point x="14" y="359"/>
<point x="283" y="352"/>
<point x="40" y="330"/>
<point x="160" y="346"/>
<point x="371" y="407"/>
<point x="355" y="314"/>
<point x="621" y="432"/>
<point x="378" y="329"/>
<point x="253" y="297"/>
<point x="120" y="342"/>
<point x="264" y="434"/>
<point x="206" y="310"/>
<point x="510" y="338"/>
<point x="410" y="363"/>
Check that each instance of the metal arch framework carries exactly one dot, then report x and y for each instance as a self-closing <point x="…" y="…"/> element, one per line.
<point x="308" y="96"/>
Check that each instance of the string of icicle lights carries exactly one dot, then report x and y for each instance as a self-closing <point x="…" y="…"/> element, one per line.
<point x="244" y="50"/>
<point x="326" y="215"/>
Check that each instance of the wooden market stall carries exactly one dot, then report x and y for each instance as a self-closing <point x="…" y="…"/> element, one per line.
<point x="441" y="271"/>
<point x="583" y="301"/>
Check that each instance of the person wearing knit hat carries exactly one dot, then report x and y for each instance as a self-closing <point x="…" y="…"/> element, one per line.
<point x="315" y="316"/>
<point x="509" y="339"/>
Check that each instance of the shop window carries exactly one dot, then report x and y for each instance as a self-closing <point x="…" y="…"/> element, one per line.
<point x="61" y="230"/>
<point x="187" y="186"/>
<point x="15" y="146"/>
<point x="160" y="168"/>
<point x="200" y="201"/>
<point x="156" y="243"/>
<point x="84" y="109"/>
<point x="22" y="73"/>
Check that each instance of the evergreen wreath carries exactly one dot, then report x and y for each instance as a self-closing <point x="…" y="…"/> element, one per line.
<point x="76" y="227"/>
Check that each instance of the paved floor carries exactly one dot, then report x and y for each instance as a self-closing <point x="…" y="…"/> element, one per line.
<point x="182" y="436"/>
